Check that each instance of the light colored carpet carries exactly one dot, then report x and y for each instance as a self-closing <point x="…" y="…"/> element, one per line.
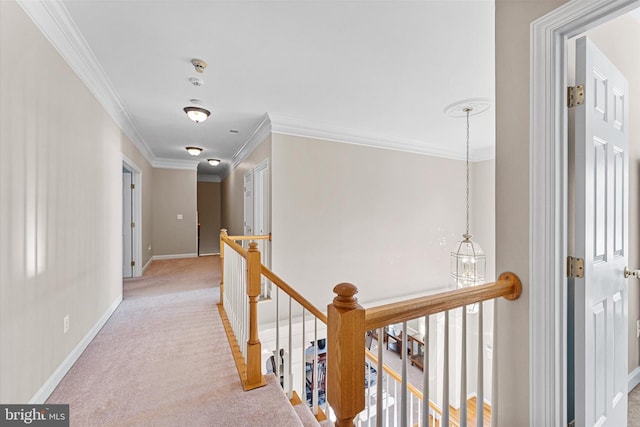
<point x="163" y="360"/>
<point x="633" y="414"/>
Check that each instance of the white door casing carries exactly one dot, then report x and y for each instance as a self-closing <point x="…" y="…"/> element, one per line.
<point x="601" y="221"/>
<point x="127" y="220"/>
<point x="248" y="203"/>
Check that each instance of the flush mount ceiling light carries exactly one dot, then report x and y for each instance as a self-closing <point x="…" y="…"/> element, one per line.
<point x="194" y="151"/>
<point x="213" y="162"/>
<point x="197" y="114"/>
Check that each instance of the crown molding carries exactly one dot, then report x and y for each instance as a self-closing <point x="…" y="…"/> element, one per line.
<point x="175" y="164"/>
<point x="55" y="23"/>
<point x="286" y="125"/>
<point x="259" y="134"/>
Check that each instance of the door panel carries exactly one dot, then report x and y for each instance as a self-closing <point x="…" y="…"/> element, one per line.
<point x="601" y="224"/>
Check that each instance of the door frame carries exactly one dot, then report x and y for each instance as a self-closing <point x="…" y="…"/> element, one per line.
<point x="548" y="196"/>
<point x="136" y="176"/>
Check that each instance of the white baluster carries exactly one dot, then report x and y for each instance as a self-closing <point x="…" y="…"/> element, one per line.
<point x="276" y="355"/>
<point x="425" y="374"/>
<point x="445" y="373"/>
<point x="405" y="363"/>
<point x="380" y="373"/>
<point x="494" y="369"/>
<point x="289" y="367"/>
<point x="463" y="370"/>
<point x="480" y="392"/>
<point x="316" y="380"/>
<point x="303" y="390"/>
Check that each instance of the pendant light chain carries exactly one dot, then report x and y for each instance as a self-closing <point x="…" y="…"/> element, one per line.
<point x="467" y="235"/>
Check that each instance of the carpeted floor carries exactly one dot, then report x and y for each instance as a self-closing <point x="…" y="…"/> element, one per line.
<point x="163" y="360"/>
<point x="633" y="417"/>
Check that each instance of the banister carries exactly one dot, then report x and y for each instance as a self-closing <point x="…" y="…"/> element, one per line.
<point x="236" y="247"/>
<point x="393" y="374"/>
<point x="508" y="285"/>
<point x="266" y="272"/>
<point x="258" y="237"/>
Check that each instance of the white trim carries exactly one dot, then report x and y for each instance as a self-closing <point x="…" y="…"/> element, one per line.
<point x="209" y="178"/>
<point x="548" y="201"/>
<point x="54" y="21"/>
<point x="259" y="134"/>
<point x="634" y="378"/>
<point x="285" y="125"/>
<point x="146" y="265"/>
<point x="174" y="256"/>
<point x="211" y="254"/>
<point x="175" y="164"/>
<point x="137" y="210"/>
<point x="47" y="388"/>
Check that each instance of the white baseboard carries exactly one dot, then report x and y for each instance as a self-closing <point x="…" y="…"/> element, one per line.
<point x="47" y="388"/>
<point x="144" y="268"/>
<point x="212" y="254"/>
<point x="634" y="378"/>
<point x="175" y="256"/>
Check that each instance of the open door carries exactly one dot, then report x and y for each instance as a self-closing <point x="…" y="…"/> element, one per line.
<point x="601" y="232"/>
<point x="128" y="223"/>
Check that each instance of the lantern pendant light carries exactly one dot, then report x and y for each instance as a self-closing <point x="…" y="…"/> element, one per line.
<point x="468" y="261"/>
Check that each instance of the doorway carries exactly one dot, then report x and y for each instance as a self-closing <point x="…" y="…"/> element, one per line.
<point x="131" y="219"/>
<point x="548" y="351"/>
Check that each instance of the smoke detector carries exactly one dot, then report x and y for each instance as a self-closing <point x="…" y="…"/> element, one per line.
<point x="199" y="65"/>
<point x="196" y="81"/>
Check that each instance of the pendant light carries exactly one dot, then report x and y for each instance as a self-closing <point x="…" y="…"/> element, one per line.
<point x="468" y="261"/>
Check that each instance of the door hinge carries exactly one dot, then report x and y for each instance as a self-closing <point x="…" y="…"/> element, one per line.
<point x="575" y="267"/>
<point x="133" y="224"/>
<point x="575" y="96"/>
<point x="133" y="186"/>
<point x="133" y="263"/>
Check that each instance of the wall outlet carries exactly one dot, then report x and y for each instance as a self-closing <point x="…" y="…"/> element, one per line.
<point x="66" y="323"/>
<point x="179" y="216"/>
<point x="149" y="249"/>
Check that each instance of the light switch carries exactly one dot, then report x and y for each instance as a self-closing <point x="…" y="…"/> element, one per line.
<point x="179" y="216"/>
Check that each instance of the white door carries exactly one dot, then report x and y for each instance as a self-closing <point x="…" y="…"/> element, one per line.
<point x="127" y="222"/>
<point x="248" y="203"/>
<point x="601" y="229"/>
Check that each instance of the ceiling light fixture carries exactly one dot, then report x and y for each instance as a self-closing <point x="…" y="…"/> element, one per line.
<point x="468" y="261"/>
<point x="199" y="65"/>
<point x="194" y="151"/>
<point x="213" y="162"/>
<point x="197" y="114"/>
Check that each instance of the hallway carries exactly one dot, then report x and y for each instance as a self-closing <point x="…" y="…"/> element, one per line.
<point x="163" y="359"/>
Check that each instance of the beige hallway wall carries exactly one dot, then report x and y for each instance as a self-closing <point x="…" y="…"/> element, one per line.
<point x="513" y="20"/>
<point x="60" y="208"/>
<point x="174" y="193"/>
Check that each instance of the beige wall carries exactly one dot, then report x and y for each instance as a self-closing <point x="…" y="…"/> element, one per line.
<point x="513" y="19"/>
<point x="388" y="230"/>
<point x="233" y="189"/>
<point x="146" y="172"/>
<point x="174" y="193"/>
<point x="209" y="217"/>
<point x="60" y="208"/>
<point x="616" y="39"/>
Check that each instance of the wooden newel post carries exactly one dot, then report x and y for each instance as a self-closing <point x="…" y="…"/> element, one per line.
<point x="223" y="233"/>
<point x="345" y="358"/>
<point x="254" y="348"/>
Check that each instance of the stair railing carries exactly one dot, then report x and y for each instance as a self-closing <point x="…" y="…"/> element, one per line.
<point x="347" y="326"/>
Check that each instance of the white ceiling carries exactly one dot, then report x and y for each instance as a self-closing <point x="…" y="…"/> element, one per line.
<point x="378" y="73"/>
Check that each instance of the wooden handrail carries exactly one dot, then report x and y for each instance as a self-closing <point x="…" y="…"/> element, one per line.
<point x="266" y="272"/>
<point x="508" y="285"/>
<point x="259" y="237"/>
<point x="236" y="247"/>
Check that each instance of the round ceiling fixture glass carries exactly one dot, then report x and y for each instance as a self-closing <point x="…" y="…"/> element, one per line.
<point x="197" y="114"/>
<point x="213" y="162"/>
<point x="194" y="151"/>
